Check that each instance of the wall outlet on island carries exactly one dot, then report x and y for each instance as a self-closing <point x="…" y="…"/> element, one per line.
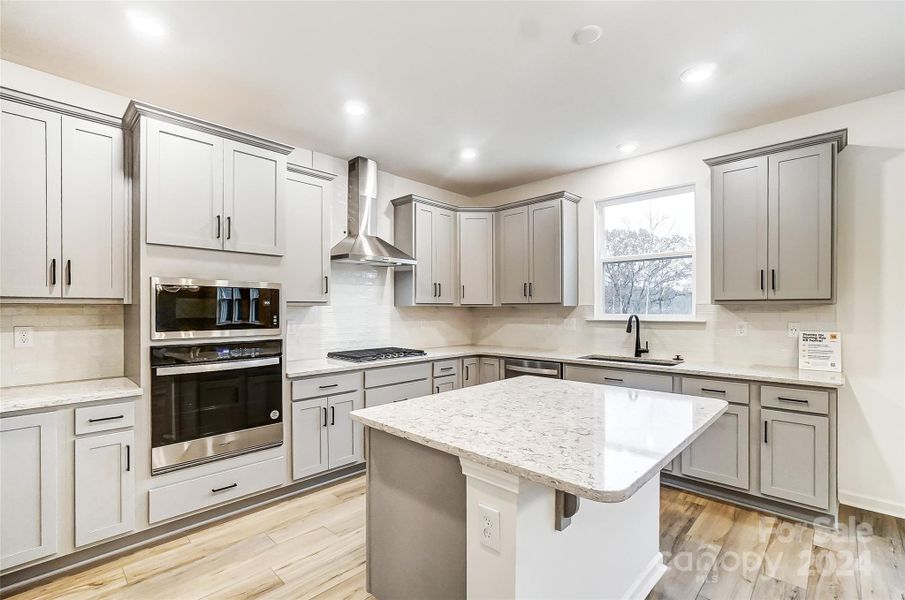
<point x="794" y="328"/>
<point x="741" y="329"/>
<point x="23" y="337"/>
<point x="490" y="527"/>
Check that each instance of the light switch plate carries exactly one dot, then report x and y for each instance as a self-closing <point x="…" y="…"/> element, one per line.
<point x="794" y="328"/>
<point x="23" y="337"/>
<point x="741" y="329"/>
<point x="490" y="527"/>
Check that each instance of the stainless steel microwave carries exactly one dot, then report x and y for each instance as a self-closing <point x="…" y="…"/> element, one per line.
<point x="183" y="308"/>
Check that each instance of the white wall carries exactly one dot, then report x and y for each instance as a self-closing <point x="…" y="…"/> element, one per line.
<point x="870" y="310"/>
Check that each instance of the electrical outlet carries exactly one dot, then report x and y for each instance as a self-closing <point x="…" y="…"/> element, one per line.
<point x="741" y="329"/>
<point x="794" y="328"/>
<point x="490" y="527"/>
<point x="23" y="337"/>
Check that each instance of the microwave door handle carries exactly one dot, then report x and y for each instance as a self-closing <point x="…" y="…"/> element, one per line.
<point x="217" y="366"/>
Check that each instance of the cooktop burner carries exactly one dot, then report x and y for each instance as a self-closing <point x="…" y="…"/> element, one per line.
<point x="372" y="354"/>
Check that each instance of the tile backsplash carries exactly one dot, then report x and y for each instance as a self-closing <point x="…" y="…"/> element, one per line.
<point x="71" y="342"/>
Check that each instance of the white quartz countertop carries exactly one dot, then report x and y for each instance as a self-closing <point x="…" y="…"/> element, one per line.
<point x="52" y="395"/>
<point x="595" y="441"/>
<point x="768" y="374"/>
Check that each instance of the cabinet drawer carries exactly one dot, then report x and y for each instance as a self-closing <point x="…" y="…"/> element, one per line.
<point x="328" y="384"/>
<point x="103" y="417"/>
<point x="442" y="368"/>
<point x="730" y="391"/>
<point x="400" y="374"/>
<point x="188" y="496"/>
<point x="810" y="401"/>
<point x="445" y="384"/>
<point x="395" y="393"/>
<point x="632" y="379"/>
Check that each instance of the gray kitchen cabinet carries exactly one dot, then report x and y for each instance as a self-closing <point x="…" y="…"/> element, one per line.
<point x="795" y="457"/>
<point x="489" y="369"/>
<point x="309" y="438"/>
<point x="397" y="392"/>
<point x="545" y="251"/>
<point x="345" y="437"/>
<point x="476" y="258"/>
<point x="445" y="384"/>
<point x="28" y="488"/>
<point x="104" y="486"/>
<point x="514" y="248"/>
<point x="772" y="221"/>
<point x="720" y="454"/>
<point x="800" y="242"/>
<point x="253" y="199"/>
<point x="471" y="372"/>
<point x="427" y="232"/>
<point x="632" y="379"/>
<point x="63" y="203"/>
<point x="307" y="250"/>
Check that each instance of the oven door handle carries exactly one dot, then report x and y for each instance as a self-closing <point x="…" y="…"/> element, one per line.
<point x="218" y="366"/>
<point x="532" y="370"/>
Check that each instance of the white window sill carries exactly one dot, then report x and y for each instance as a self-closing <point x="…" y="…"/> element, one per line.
<point x="646" y="319"/>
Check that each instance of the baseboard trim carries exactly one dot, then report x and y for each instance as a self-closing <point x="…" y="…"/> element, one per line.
<point x="644" y="584"/>
<point x="877" y="505"/>
<point x="37" y="574"/>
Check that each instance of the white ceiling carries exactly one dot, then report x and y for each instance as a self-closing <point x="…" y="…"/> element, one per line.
<point x="503" y="77"/>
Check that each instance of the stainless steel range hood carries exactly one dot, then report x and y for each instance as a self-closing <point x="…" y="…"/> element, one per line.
<point x="361" y="246"/>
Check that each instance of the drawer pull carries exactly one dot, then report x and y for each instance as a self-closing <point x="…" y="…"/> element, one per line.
<point x="616" y="379"/>
<point x="795" y="400"/>
<point x="713" y="391"/>
<point x="102" y="419"/>
<point x="324" y="387"/>
<point x="226" y="487"/>
<point x="446" y="368"/>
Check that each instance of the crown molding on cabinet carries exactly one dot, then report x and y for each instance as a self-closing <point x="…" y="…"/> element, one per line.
<point x="561" y="195"/>
<point x="303" y="170"/>
<point x="138" y="109"/>
<point x="839" y="136"/>
<point x="60" y="107"/>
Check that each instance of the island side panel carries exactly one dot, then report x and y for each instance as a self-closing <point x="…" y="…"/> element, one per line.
<point x="415" y="521"/>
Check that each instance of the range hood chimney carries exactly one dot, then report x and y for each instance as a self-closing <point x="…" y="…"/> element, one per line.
<point x="361" y="245"/>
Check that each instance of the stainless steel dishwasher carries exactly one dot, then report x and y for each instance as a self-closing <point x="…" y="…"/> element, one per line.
<point x="541" y="368"/>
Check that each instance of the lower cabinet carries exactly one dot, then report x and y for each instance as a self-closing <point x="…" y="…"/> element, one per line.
<point x="471" y="372"/>
<point x="720" y="454"/>
<point x="397" y="392"/>
<point x="445" y="384"/>
<point x="490" y="370"/>
<point x="104" y="486"/>
<point x="28" y="488"/>
<point x="795" y="457"/>
<point x="324" y="436"/>
<point x="633" y="379"/>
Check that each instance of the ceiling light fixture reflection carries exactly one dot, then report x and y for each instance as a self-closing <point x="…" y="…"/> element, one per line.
<point x="468" y="154"/>
<point x="627" y="147"/>
<point x="355" y="108"/>
<point x="698" y="73"/>
<point x="146" y="24"/>
<point x="587" y="35"/>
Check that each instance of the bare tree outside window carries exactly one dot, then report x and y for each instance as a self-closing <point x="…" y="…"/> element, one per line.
<point x="648" y="254"/>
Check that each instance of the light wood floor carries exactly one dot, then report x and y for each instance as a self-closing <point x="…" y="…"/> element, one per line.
<point x="313" y="547"/>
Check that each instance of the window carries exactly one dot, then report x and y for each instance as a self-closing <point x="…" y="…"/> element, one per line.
<point x="646" y="254"/>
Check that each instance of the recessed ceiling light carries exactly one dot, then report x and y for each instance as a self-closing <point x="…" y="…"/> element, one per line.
<point x="356" y="108"/>
<point x="587" y="35"/>
<point x="627" y="147"/>
<point x="146" y="24"/>
<point x="468" y="154"/>
<point x="698" y="73"/>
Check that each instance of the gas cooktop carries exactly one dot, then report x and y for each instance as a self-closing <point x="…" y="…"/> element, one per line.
<point x="372" y="354"/>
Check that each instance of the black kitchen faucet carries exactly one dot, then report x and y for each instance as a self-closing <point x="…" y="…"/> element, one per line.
<point x="628" y="329"/>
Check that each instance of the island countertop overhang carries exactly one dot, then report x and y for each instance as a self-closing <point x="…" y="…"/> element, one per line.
<point x="594" y="441"/>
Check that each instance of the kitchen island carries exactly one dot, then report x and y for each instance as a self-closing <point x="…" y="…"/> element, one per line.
<point x="522" y="488"/>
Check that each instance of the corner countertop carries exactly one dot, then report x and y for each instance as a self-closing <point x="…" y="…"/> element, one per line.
<point x="767" y="374"/>
<point x="595" y="441"/>
<point x="53" y="395"/>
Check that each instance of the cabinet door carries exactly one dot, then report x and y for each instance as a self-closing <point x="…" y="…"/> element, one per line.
<point x="514" y="255"/>
<point x="476" y="258"/>
<point x="307" y="257"/>
<point x="490" y="370"/>
<point x="309" y="438"/>
<point x="345" y="435"/>
<point x="104" y="486"/>
<point x="801" y="223"/>
<point x="470" y="372"/>
<point x="444" y="255"/>
<point x="545" y="254"/>
<point x="94" y="210"/>
<point x="184" y="187"/>
<point x="720" y="454"/>
<point x="253" y="198"/>
<point x="28" y="488"/>
<point x="30" y="256"/>
<point x="795" y="457"/>
<point x="444" y="384"/>
<point x="425" y="284"/>
<point x="739" y="246"/>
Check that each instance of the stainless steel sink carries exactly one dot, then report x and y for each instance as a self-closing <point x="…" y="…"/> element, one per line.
<point x="632" y="360"/>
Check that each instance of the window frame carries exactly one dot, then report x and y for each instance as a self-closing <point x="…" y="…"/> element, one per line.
<point x="600" y="260"/>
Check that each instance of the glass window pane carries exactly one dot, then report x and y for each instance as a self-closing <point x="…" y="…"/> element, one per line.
<point x="648" y="287"/>
<point x="662" y="224"/>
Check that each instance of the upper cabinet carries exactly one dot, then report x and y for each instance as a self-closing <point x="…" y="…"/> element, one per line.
<point x="773" y="221"/>
<point x="427" y="232"/>
<point x="63" y="205"/>
<point x="476" y="258"/>
<point x="208" y="186"/>
<point x="307" y="257"/>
